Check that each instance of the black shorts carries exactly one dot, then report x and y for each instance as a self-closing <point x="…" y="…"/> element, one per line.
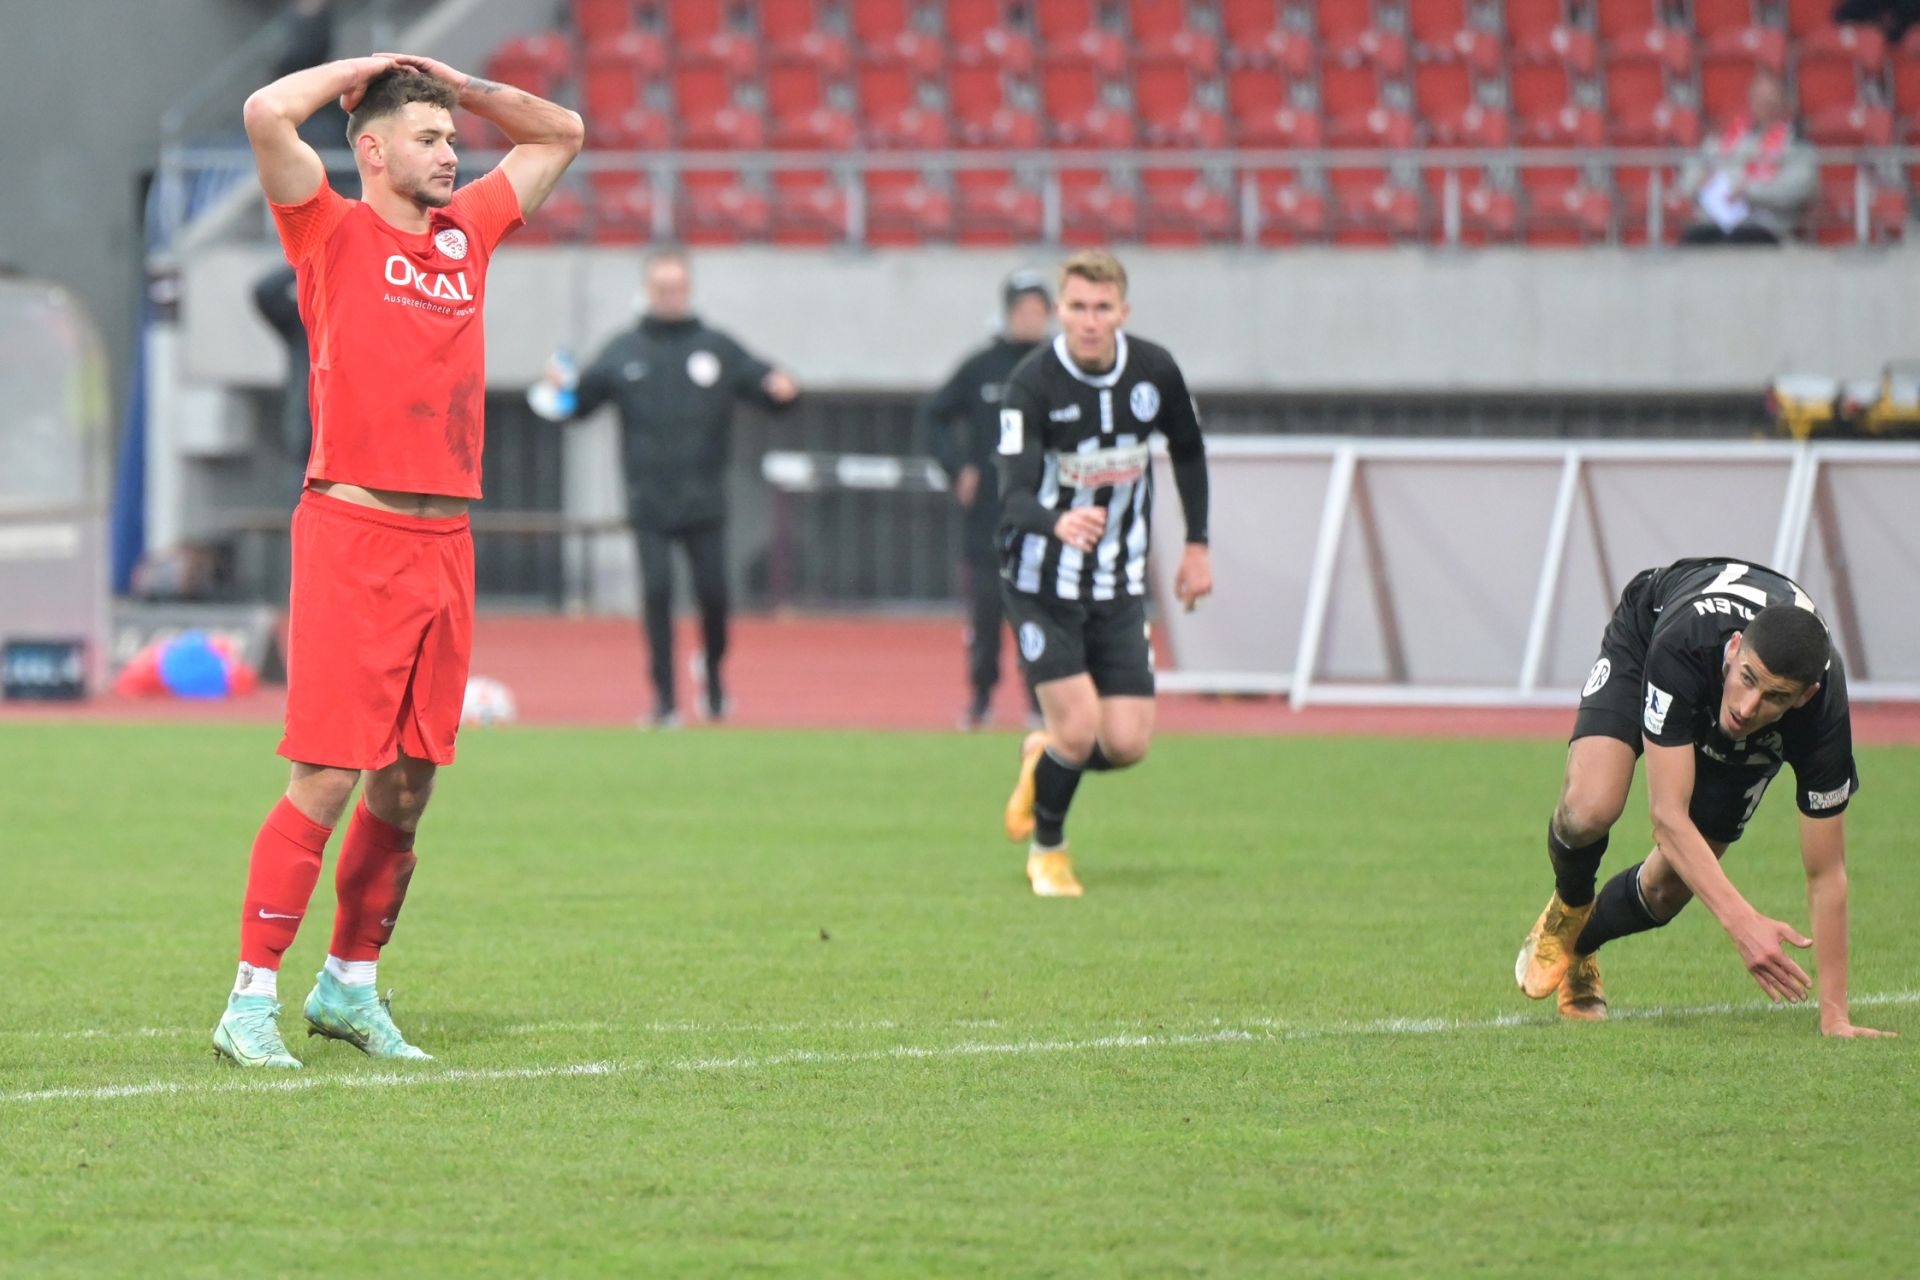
<point x="1105" y="639"/>
<point x="1724" y="795"/>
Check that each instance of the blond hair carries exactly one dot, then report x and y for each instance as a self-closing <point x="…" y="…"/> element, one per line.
<point x="1096" y="266"/>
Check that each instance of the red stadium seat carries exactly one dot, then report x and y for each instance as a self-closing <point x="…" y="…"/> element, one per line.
<point x="728" y="51"/>
<point x="821" y="129"/>
<point x="624" y="214"/>
<point x="824" y="51"/>
<point x="1865" y="47"/>
<point x="913" y="49"/>
<point x="1069" y="89"/>
<point x="1724" y="79"/>
<point x="877" y="21"/>
<point x="690" y="20"/>
<point x="1193" y="128"/>
<point x="1435" y="21"/>
<point x="721" y="209"/>
<point x="471" y="133"/>
<point x="1347" y="90"/>
<point x="1565" y="46"/>
<point x="1474" y="125"/>
<point x="903" y="209"/>
<point x="1196" y="51"/>
<point x="1283" y="127"/>
<point x="1161" y="88"/>
<point x="1370" y="209"/>
<point x="1253" y="91"/>
<point x="1562" y="208"/>
<point x="1341" y="21"/>
<point x="1097" y="127"/>
<point x="1906" y="91"/>
<point x="1539" y="89"/>
<point x="727" y="129"/>
<point x="969" y="21"/>
<point x="1005" y="129"/>
<point x="1058" y="20"/>
<point x="1668" y="47"/>
<point x="1380" y="127"/>
<point x="1103" y="51"/>
<point x="1857" y="124"/>
<point x="1635" y="185"/>
<point x="1804" y="17"/>
<point x="1286" y="211"/>
<point x="1570" y="126"/>
<point x="1488" y="213"/>
<point x="999" y="47"/>
<point x="1636" y="84"/>
<point x="1532" y="22"/>
<point x="1763" y="46"/>
<point x="1711" y="17"/>
<point x="784" y="22"/>
<point x="1617" y="18"/>
<point x="598" y="20"/>
<point x="1659" y="124"/>
<point x="809" y="208"/>
<point x="909" y="128"/>
<point x="1441" y="90"/>
<point x="975" y="93"/>
<point x="539" y="63"/>
<point x="1280" y="48"/>
<point x="1094" y="210"/>
<point x="1246" y="24"/>
<point x="562" y="219"/>
<point x="882" y="88"/>
<point x="1470" y="46"/>
<point x="1852" y="202"/>
<point x="794" y="88"/>
<point x="1183" y="208"/>
<point x="1825" y="82"/>
<point x="992" y="208"/>
<point x="1151" y="19"/>
<point x="618" y="70"/>
<point x="701" y="90"/>
<point x="635" y="129"/>
<point x="1383" y="51"/>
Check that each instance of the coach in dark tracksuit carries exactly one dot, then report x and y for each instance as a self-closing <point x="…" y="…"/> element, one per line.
<point x="675" y="382"/>
<point x="962" y="422"/>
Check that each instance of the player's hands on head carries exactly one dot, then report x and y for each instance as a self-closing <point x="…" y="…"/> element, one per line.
<point x="1761" y="943"/>
<point x="427" y="66"/>
<point x="1194" y="580"/>
<point x="1081" y="527"/>
<point x="364" y="69"/>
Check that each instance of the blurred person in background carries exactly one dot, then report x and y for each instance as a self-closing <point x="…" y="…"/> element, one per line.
<point x="1752" y="180"/>
<point x="961" y="421"/>
<point x="675" y="381"/>
<point x="392" y="288"/>
<point x="276" y="296"/>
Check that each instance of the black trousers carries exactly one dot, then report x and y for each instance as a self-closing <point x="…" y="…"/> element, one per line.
<point x="984" y="618"/>
<point x="1710" y="233"/>
<point x="705" y="546"/>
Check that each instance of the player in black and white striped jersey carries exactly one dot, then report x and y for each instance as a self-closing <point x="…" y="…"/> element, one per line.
<point x="1077" y="496"/>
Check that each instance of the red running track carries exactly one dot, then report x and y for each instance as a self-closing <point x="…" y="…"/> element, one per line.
<point x="854" y="673"/>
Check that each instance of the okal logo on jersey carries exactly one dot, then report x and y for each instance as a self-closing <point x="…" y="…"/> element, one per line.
<point x="449" y="287"/>
<point x="1033" y="641"/>
<point x="451" y="241"/>
<point x="1145" y="401"/>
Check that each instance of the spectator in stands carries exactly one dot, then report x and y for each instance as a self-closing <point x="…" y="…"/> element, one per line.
<point x="962" y="422"/>
<point x="1894" y="17"/>
<point x="675" y="382"/>
<point x="1753" y="179"/>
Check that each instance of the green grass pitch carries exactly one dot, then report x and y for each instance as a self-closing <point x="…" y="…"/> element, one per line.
<point x="780" y="1004"/>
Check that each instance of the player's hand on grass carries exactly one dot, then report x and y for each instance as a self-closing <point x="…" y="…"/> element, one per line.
<point x="1195" y="577"/>
<point x="1081" y="527"/>
<point x="364" y="69"/>
<point x="1761" y="945"/>
<point x="1842" y="1029"/>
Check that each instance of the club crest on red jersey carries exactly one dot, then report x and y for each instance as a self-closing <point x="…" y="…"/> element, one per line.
<point x="452" y="242"/>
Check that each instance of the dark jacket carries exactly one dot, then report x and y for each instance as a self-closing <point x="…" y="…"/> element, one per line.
<point x="675" y="383"/>
<point x="961" y="423"/>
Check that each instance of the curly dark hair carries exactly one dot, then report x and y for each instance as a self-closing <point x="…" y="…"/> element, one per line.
<point x="1791" y="642"/>
<point x="391" y="90"/>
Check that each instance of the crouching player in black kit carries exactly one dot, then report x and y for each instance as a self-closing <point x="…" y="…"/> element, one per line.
<point x="1076" y="495"/>
<point x="1719" y="672"/>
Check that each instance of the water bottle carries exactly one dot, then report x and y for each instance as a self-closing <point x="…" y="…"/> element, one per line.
<point x="554" y="397"/>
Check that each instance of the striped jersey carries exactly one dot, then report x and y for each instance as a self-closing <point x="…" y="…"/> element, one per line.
<point x="1075" y="439"/>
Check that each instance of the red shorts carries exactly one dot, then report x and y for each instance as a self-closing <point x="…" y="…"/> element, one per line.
<point x="379" y="635"/>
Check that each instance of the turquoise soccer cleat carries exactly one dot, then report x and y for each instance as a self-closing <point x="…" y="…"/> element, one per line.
<point x="359" y="1016"/>
<point x="249" y="1034"/>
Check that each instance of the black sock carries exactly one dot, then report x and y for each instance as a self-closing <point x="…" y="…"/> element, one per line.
<point x="1574" y="870"/>
<point x="1619" y="912"/>
<point x="1098" y="762"/>
<point x="1053" y="786"/>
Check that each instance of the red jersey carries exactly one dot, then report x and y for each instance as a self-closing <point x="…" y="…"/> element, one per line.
<point x="396" y="336"/>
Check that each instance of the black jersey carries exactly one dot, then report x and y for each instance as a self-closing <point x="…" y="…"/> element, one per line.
<point x="1689" y="611"/>
<point x="1069" y="438"/>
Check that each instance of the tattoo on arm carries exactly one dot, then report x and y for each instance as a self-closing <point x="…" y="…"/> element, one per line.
<point x="478" y="85"/>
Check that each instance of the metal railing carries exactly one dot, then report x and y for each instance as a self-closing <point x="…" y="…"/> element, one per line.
<point x="1439" y="180"/>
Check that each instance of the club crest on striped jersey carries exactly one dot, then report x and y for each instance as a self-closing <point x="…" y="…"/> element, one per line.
<point x="452" y="242"/>
<point x="1033" y="641"/>
<point x="1145" y="401"/>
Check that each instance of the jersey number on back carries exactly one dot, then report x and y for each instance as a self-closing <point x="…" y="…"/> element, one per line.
<point x="1727" y="585"/>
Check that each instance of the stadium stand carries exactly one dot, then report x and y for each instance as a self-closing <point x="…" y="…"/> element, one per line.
<point x="1142" y="80"/>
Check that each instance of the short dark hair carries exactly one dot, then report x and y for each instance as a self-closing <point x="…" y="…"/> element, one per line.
<point x="1791" y="642"/>
<point x="393" y="89"/>
<point x="665" y="253"/>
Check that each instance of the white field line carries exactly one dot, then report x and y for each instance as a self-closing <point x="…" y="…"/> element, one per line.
<point x="533" y="1029"/>
<point x="1250" y="1031"/>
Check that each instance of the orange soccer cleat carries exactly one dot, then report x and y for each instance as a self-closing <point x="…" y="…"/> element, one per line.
<point x="1547" y="953"/>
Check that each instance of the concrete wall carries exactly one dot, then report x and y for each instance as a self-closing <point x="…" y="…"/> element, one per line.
<point x="1391" y="320"/>
<point x="82" y="86"/>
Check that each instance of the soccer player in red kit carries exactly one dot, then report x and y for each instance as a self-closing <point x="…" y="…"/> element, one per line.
<point x="391" y="288"/>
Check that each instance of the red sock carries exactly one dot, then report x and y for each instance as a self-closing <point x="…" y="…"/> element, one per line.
<point x="376" y="862"/>
<point x="280" y="879"/>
